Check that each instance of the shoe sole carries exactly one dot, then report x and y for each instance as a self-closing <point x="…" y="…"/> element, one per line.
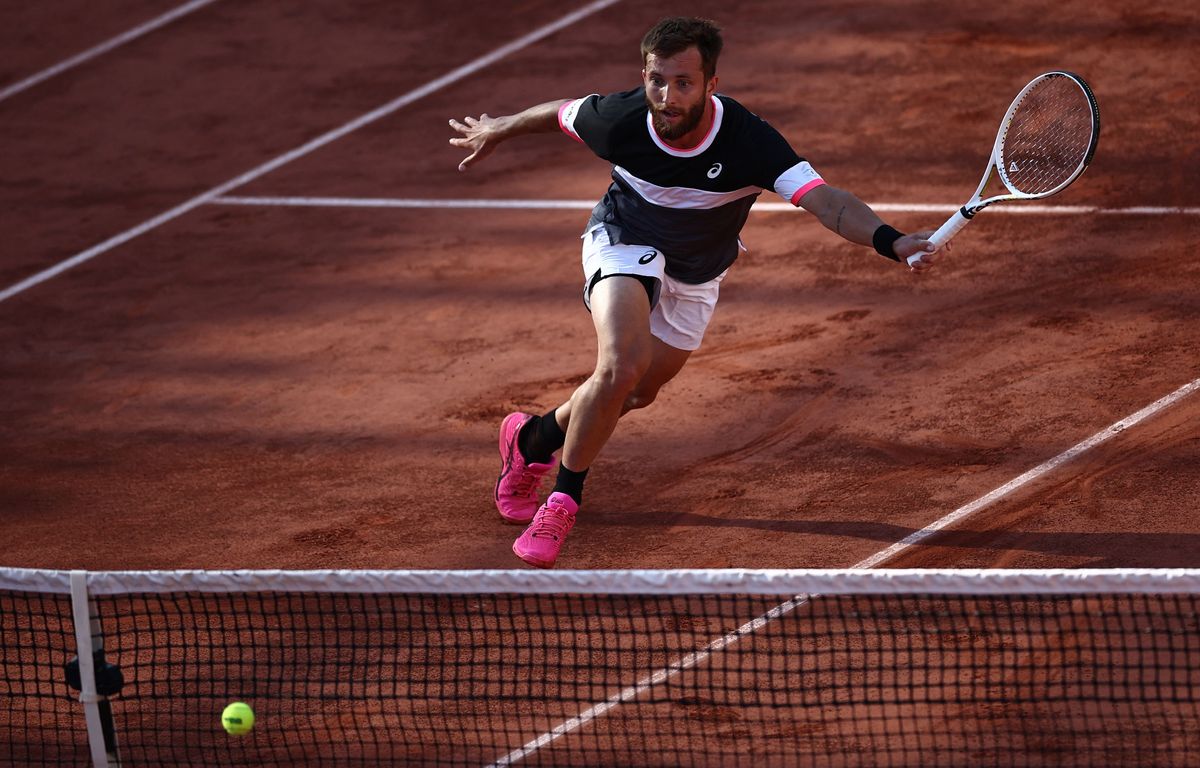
<point x="532" y="560"/>
<point x="515" y="520"/>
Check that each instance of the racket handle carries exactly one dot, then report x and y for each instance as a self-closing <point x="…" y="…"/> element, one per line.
<point x="943" y="235"/>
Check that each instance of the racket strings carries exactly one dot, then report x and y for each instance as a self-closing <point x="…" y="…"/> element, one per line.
<point x="1048" y="137"/>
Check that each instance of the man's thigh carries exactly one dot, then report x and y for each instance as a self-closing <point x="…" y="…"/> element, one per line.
<point x="621" y="316"/>
<point x="665" y="363"/>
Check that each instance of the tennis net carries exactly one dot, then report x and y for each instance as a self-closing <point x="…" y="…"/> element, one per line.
<point x="598" y="668"/>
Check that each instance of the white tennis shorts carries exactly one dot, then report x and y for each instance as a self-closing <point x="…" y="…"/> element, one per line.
<point x="680" y="312"/>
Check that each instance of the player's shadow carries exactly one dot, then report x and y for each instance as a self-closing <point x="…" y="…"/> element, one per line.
<point x="1104" y="549"/>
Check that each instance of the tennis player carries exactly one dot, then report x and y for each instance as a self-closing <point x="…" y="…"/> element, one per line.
<point x="688" y="163"/>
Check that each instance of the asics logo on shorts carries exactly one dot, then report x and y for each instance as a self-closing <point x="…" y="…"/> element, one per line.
<point x="647" y="257"/>
<point x="715" y="171"/>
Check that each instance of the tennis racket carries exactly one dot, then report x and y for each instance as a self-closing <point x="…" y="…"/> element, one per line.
<point x="1047" y="138"/>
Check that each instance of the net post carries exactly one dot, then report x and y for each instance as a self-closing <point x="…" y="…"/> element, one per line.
<point x="101" y="735"/>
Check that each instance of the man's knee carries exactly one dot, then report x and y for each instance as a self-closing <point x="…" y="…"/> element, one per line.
<point x="621" y="376"/>
<point x="639" y="399"/>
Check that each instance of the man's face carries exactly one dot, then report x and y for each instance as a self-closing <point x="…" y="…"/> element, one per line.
<point x="677" y="92"/>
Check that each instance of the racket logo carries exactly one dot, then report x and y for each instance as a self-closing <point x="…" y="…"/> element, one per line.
<point x="715" y="171"/>
<point x="1012" y="167"/>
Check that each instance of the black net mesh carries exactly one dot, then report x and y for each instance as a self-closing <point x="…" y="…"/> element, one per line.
<point x="41" y="722"/>
<point x="619" y="680"/>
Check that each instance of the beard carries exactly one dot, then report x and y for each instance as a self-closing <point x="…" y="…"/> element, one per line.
<point x="691" y="119"/>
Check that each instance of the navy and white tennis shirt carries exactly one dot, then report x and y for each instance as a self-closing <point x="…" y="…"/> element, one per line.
<point x="690" y="204"/>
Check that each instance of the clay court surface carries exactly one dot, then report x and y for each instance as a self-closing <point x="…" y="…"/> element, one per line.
<point x="252" y="386"/>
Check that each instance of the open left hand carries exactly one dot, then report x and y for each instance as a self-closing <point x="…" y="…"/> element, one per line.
<point x="480" y="136"/>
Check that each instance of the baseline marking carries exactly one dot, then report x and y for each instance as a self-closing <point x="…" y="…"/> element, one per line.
<point x="103" y="48"/>
<point x="391" y="202"/>
<point x="786" y="607"/>
<point x="313" y="145"/>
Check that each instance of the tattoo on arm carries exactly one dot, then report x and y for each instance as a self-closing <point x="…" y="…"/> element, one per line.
<point x="838" y="228"/>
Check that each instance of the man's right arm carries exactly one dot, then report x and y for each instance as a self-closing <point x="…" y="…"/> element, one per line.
<point x="481" y="135"/>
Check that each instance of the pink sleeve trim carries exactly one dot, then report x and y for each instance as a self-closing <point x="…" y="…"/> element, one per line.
<point x="806" y="189"/>
<point x="563" y="125"/>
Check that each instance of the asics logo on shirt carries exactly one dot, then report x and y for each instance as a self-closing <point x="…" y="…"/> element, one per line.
<point x="715" y="171"/>
<point x="647" y="257"/>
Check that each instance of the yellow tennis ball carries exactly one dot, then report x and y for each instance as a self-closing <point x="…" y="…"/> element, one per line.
<point x="238" y="718"/>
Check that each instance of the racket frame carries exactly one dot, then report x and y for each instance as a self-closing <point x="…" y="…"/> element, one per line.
<point x="963" y="215"/>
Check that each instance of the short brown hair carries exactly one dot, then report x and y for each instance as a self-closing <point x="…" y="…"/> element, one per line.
<point x="673" y="36"/>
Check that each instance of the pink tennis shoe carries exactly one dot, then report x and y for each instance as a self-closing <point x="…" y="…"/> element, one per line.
<point x="541" y="541"/>
<point x="518" y="484"/>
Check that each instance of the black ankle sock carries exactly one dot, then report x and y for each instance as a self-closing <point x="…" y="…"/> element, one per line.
<point x="570" y="482"/>
<point x="550" y="435"/>
<point x="540" y="438"/>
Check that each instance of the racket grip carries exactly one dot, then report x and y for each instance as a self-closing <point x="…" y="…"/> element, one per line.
<point x="943" y="235"/>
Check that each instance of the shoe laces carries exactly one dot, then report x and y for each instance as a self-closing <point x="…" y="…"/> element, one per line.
<point x="526" y="483"/>
<point x="552" y="521"/>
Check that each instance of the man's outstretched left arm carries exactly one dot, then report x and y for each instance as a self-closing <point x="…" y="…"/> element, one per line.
<point x="482" y="134"/>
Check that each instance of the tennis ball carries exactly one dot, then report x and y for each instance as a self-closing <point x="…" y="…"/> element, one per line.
<point x="238" y="718"/>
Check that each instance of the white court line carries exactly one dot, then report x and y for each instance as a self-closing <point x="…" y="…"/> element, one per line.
<point x="103" y="48"/>
<point x="1033" y="474"/>
<point x="388" y="202"/>
<point x="393" y="202"/>
<point x="327" y="138"/>
<point x="958" y="515"/>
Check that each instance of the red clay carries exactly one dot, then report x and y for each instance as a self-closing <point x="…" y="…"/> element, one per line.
<point x="303" y="388"/>
<point x="321" y="388"/>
